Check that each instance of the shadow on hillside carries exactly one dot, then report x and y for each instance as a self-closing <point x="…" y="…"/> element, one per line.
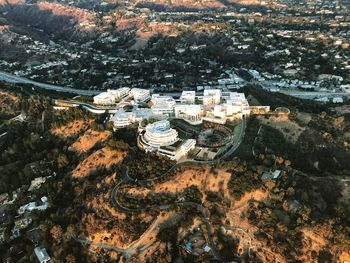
<point x="43" y="22"/>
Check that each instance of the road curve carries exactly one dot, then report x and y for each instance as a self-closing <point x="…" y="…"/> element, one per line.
<point x="204" y="213"/>
<point x="126" y="179"/>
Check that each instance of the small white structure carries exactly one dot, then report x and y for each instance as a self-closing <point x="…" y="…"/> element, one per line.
<point x="206" y="248"/>
<point x="42" y="255"/>
<point x="211" y="96"/>
<point x="345" y="88"/>
<point x="337" y="100"/>
<point x="140" y="95"/>
<point x="322" y="99"/>
<point x="188" y="97"/>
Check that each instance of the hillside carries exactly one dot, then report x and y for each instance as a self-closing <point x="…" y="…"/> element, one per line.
<point x="53" y="19"/>
<point x="198" y="5"/>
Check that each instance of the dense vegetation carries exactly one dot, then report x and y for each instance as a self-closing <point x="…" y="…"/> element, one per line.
<point x="304" y="196"/>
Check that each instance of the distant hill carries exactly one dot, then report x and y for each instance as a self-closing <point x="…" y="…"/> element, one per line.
<point x="57" y="20"/>
<point x="197" y="5"/>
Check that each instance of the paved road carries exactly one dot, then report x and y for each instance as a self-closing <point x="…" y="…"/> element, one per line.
<point x="205" y="214"/>
<point x="16" y="79"/>
<point x="266" y="84"/>
<point x="312" y="95"/>
<point x="127" y="252"/>
<point x="127" y="180"/>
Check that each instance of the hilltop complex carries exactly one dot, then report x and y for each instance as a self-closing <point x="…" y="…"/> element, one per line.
<point x="136" y="106"/>
<point x="213" y="105"/>
<point x="174" y="131"/>
<point x="160" y="137"/>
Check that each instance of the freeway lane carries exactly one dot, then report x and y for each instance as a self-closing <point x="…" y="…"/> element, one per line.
<point x="16" y="79"/>
<point x="7" y="77"/>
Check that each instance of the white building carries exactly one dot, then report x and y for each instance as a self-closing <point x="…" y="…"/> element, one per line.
<point x="161" y="138"/>
<point x="190" y="113"/>
<point x="217" y="107"/>
<point x="104" y="98"/>
<point x="220" y="111"/>
<point x="140" y="95"/>
<point x="345" y="88"/>
<point x="163" y="105"/>
<point x="110" y="96"/>
<point x="239" y="103"/>
<point x="119" y="93"/>
<point x="235" y="106"/>
<point x="42" y="255"/>
<point x="159" y="134"/>
<point x="188" y="97"/>
<point x="185" y="148"/>
<point x="211" y="96"/>
<point x="123" y="119"/>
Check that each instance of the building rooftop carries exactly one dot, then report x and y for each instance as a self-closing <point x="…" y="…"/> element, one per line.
<point x="271" y="175"/>
<point x="42" y="255"/>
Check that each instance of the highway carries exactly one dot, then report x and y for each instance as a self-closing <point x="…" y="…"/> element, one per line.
<point x="11" y="78"/>
<point x="314" y="94"/>
<point x="7" y="77"/>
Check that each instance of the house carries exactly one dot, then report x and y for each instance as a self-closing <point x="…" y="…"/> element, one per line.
<point x="32" y="206"/>
<point x="42" y="255"/>
<point x="322" y="99"/>
<point x="2" y="235"/>
<point x="20" y="224"/>
<point x="271" y="175"/>
<point x="35" y="184"/>
<point x="337" y="100"/>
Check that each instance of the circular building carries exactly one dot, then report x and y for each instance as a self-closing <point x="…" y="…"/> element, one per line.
<point x="159" y="134"/>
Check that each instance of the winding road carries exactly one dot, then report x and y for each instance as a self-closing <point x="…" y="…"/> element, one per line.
<point x="132" y="249"/>
<point x="125" y="179"/>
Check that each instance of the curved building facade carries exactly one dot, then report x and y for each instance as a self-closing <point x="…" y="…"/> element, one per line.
<point x="160" y="134"/>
